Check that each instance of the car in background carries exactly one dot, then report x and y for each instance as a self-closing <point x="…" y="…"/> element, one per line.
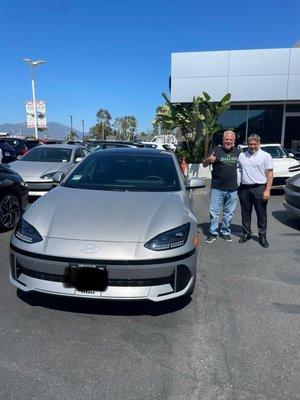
<point x="113" y="145"/>
<point x="158" y="145"/>
<point x="13" y="198"/>
<point x="120" y="226"/>
<point x="292" y="194"/>
<point x="18" y="144"/>
<point x="285" y="165"/>
<point x="7" y="154"/>
<point x="31" y="143"/>
<point x="38" y="166"/>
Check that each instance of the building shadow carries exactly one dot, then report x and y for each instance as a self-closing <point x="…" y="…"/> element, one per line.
<point x="101" y="306"/>
<point x="287" y="218"/>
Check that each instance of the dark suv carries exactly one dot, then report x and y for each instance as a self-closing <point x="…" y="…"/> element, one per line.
<point x="19" y="145"/>
<point x="13" y="198"/>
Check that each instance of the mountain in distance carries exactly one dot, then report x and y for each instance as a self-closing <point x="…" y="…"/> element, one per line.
<point x="55" y="130"/>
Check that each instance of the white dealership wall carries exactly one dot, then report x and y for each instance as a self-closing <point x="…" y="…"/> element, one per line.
<point x="249" y="75"/>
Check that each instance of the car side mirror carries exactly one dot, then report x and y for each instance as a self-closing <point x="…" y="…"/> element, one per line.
<point x="291" y="155"/>
<point x="195" y="183"/>
<point x="58" y="177"/>
<point x="78" y="159"/>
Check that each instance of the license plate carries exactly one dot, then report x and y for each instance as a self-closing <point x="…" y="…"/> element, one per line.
<point x="89" y="277"/>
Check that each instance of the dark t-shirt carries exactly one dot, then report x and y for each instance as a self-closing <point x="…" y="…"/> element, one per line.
<point x="224" y="172"/>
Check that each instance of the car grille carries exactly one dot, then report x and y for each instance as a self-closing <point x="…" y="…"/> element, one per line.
<point x="279" y="181"/>
<point x="178" y="279"/>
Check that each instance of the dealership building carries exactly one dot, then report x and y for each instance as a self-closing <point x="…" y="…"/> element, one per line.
<point x="264" y="86"/>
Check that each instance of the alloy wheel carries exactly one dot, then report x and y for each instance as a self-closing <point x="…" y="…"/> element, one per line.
<point x="10" y="211"/>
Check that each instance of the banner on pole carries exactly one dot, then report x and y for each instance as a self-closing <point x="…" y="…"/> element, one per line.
<point x="41" y="114"/>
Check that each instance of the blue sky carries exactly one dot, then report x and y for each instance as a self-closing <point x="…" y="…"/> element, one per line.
<point x="117" y="54"/>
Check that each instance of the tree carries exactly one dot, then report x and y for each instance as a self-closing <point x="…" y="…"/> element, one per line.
<point x="103" y="118"/>
<point x="197" y="122"/>
<point x="100" y="130"/>
<point x="125" y="127"/>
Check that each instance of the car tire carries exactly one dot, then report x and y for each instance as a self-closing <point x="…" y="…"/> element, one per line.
<point x="10" y="211"/>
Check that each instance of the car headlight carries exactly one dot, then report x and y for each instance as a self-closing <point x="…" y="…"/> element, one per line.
<point x="27" y="233"/>
<point x="23" y="183"/>
<point x="49" y="175"/>
<point x="171" y="239"/>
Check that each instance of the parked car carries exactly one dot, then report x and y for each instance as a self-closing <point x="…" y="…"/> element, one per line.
<point x="112" y="145"/>
<point x="158" y="145"/>
<point x="292" y="194"/>
<point x="7" y="153"/>
<point x="13" y="197"/>
<point x="121" y="225"/>
<point x="285" y="165"/>
<point x="18" y="144"/>
<point x="38" y="166"/>
<point x="31" y="143"/>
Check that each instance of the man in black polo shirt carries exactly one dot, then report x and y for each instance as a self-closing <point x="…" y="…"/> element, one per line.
<point x="223" y="186"/>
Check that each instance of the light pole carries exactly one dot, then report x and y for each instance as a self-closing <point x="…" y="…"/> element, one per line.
<point x="71" y="132"/>
<point x="33" y="64"/>
<point x="82" y="128"/>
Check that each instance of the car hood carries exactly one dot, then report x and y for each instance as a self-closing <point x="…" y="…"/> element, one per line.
<point x="32" y="170"/>
<point x="109" y="216"/>
<point x="283" y="164"/>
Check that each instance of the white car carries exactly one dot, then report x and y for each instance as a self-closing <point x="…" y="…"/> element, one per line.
<point x="285" y="165"/>
<point x="159" y="145"/>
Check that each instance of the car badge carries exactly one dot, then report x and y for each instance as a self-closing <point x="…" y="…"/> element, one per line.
<point x="89" y="248"/>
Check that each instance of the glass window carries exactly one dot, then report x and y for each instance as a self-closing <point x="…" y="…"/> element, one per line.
<point x="274" y="151"/>
<point x="266" y="121"/>
<point x="47" y="154"/>
<point x="236" y="120"/>
<point x="292" y="108"/>
<point x="125" y="173"/>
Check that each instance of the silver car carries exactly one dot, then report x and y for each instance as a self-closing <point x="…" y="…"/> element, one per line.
<point x="121" y="225"/>
<point x="38" y="166"/>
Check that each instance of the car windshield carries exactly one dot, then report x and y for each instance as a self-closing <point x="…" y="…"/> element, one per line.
<point x="126" y="173"/>
<point x="274" y="151"/>
<point x="48" y="154"/>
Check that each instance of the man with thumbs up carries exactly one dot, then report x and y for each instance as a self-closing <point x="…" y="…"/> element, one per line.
<point x="224" y="186"/>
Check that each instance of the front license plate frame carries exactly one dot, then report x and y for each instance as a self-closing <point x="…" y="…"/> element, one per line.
<point x="89" y="277"/>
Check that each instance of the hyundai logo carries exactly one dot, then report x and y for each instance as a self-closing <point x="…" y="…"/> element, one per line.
<point x="89" y="248"/>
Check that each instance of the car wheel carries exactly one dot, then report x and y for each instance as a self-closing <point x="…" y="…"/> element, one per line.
<point x="10" y="211"/>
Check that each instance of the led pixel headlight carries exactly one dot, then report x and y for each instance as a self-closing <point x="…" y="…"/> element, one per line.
<point x="27" y="233"/>
<point x="171" y="239"/>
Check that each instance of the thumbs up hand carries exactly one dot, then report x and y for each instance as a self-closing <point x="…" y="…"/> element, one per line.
<point x="212" y="158"/>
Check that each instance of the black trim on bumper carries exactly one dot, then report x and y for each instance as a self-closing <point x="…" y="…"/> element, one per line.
<point x="106" y="262"/>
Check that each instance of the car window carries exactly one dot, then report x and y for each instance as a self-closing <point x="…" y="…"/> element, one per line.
<point x="125" y="172"/>
<point x="48" y="154"/>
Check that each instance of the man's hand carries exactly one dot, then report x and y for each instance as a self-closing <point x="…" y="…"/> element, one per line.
<point x="266" y="195"/>
<point x="212" y="158"/>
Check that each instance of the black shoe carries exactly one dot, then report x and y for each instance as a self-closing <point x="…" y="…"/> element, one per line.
<point x="244" y="238"/>
<point x="211" y="238"/>
<point x="227" y="238"/>
<point x="263" y="242"/>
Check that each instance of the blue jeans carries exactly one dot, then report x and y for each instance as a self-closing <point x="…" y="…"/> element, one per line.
<point x="219" y="199"/>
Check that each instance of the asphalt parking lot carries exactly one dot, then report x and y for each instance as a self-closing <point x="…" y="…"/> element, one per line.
<point x="237" y="338"/>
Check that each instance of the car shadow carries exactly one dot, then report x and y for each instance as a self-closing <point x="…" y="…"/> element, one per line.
<point x="103" y="307"/>
<point x="287" y="218"/>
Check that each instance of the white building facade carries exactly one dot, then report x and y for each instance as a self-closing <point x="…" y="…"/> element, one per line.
<point x="264" y="86"/>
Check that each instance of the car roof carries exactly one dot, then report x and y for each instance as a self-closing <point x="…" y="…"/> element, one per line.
<point x="263" y="145"/>
<point x="132" y="150"/>
<point x="65" y="146"/>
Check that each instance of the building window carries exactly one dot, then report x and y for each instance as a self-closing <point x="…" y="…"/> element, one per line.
<point x="292" y="108"/>
<point x="234" y="119"/>
<point x="266" y="121"/>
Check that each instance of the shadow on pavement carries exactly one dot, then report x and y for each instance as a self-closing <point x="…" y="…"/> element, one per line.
<point x="286" y="218"/>
<point x="103" y="307"/>
<point x="236" y="230"/>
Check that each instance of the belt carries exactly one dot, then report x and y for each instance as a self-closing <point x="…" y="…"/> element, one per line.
<point x="253" y="185"/>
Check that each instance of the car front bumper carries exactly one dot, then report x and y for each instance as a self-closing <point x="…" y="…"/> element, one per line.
<point x="154" y="280"/>
<point x="39" y="188"/>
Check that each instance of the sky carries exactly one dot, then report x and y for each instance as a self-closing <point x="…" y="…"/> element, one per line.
<point x="117" y="54"/>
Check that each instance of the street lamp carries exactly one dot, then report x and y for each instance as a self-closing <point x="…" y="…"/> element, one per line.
<point x="71" y="132"/>
<point x="33" y="64"/>
<point x="82" y="128"/>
